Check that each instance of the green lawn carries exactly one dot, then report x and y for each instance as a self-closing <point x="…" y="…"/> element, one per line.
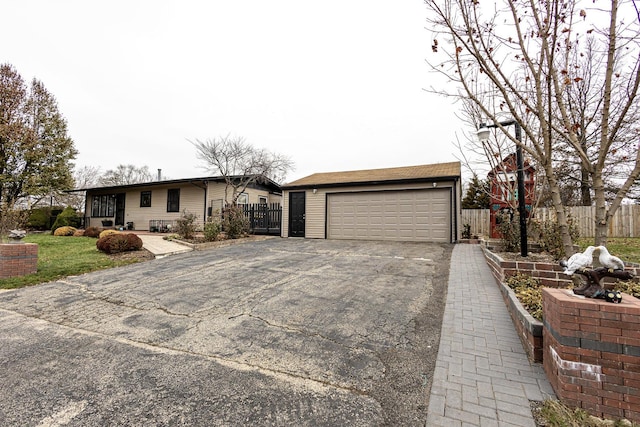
<point x="63" y="256"/>
<point x="625" y="248"/>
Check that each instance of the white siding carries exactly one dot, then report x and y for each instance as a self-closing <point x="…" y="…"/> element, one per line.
<point x="191" y="201"/>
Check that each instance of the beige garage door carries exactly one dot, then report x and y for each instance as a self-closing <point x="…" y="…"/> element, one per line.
<point x="412" y="215"/>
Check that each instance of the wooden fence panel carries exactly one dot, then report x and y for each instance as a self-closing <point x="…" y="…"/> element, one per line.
<point x="478" y="219"/>
<point x="623" y="223"/>
<point x="584" y="219"/>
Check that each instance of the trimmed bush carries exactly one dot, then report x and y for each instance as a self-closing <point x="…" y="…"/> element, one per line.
<point x="66" y="230"/>
<point x="67" y="217"/>
<point x="78" y="233"/>
<point x="92" y="232"/>
<point x="104" y="233"/>
<point x="119" y="242"/>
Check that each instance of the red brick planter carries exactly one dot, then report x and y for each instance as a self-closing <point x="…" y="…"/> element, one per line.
<point x="592" y="353"/>
<point x="529" y="329"/>
<point x="18" y="259"/>
<point x="550" y="275"/>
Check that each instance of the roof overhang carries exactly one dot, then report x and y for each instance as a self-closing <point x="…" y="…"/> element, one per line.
<point x="196" y="181"/>
<point x="436" y="172"/>
<point x="373" y="182"/>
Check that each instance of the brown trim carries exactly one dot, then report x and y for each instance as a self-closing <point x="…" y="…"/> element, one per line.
<point x="375" y="182"/>
<point x="202" y="181"/>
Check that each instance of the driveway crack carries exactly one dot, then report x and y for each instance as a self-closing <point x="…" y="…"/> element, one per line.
<point x="142" y="306"/>
<point x="294" y="330"/>
<point x="279" y="374"/>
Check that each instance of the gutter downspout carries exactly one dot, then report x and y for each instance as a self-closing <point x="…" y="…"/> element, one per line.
<point x="206" y="191"/>
<point x="205" y="187"/>
<point x="455" y="206"/>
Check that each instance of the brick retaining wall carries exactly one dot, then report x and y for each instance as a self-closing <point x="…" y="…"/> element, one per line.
<point x="528" y="328"/>
<point x="550" y="275"/>
<point x="592" y="353"/>
<point x="18" y="259"/>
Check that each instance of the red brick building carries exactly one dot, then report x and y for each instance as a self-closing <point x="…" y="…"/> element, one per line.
<point x="504" y="191"/>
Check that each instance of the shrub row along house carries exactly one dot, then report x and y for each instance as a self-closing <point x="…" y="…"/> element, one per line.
<point x="414" y="203"/>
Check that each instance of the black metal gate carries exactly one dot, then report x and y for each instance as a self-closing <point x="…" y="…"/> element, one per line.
<point x="263" y="218"/>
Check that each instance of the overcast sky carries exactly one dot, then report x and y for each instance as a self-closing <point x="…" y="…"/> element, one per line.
<point x="336" y="85"/>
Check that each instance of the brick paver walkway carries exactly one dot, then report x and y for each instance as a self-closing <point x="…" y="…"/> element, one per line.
<point x="482" y="375"/>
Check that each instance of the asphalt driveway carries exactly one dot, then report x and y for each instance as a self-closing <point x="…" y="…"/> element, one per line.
<point x="275" y="332"/>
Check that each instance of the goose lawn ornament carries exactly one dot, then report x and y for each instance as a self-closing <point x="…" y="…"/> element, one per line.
<point x="578" y="261"/>
<point x="609" y="261"/>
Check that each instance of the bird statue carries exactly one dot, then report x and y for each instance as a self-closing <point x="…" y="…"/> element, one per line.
<point x="578" y="261"/>
<point x="609" y="261"/>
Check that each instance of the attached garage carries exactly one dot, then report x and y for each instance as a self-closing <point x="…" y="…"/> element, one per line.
<point x="415" y="203"/>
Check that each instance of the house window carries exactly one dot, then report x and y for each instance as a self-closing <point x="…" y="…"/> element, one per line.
<point x="173" y="200"/>
<point x="103" y="205"/>
<point x="145" y="199"/>
<point x="243" y="199"/>
<point x="262" y="200"/>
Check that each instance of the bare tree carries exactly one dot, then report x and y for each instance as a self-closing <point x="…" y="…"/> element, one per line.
<point x="240" y="163"/>
<point x="83" y="177"/>
<point x="86" y="176"/>
<point x="531" y="60"/>
<point x="126" y="174"/>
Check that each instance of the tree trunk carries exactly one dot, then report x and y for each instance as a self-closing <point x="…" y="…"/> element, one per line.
<point x="561" y="216"/>
<point x="601" y="221"/>
<point x="585" y="189"/>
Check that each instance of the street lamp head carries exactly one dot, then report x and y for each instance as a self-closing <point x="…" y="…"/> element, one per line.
<point x="483" y="135"/>
<point x="483" y="132"/>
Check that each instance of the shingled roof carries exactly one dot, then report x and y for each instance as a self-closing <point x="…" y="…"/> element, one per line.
<point x="376" y="176"/>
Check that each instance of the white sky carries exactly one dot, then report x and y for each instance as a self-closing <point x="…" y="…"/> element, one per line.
<point x="336" y="85"/>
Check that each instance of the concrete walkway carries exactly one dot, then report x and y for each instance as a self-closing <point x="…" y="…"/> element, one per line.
<point x="482" y="375"/>
<point x="157" y="245"/>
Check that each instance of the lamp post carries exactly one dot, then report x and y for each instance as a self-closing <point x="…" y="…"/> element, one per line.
<point x="483" y="134"/>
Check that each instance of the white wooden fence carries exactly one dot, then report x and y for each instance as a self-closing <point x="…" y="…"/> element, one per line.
<point x="625" y="222"/>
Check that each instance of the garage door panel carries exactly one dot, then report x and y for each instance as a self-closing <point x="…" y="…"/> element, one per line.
<point x="412" y="215"/>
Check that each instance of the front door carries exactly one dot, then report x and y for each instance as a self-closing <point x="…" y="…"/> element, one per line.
<point x="120" y="208"/>
<point x="296" y="213"/>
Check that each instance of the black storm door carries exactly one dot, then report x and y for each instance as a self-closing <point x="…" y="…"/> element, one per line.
<point x="296" y="213"/>
<point x="120" y="197"/>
